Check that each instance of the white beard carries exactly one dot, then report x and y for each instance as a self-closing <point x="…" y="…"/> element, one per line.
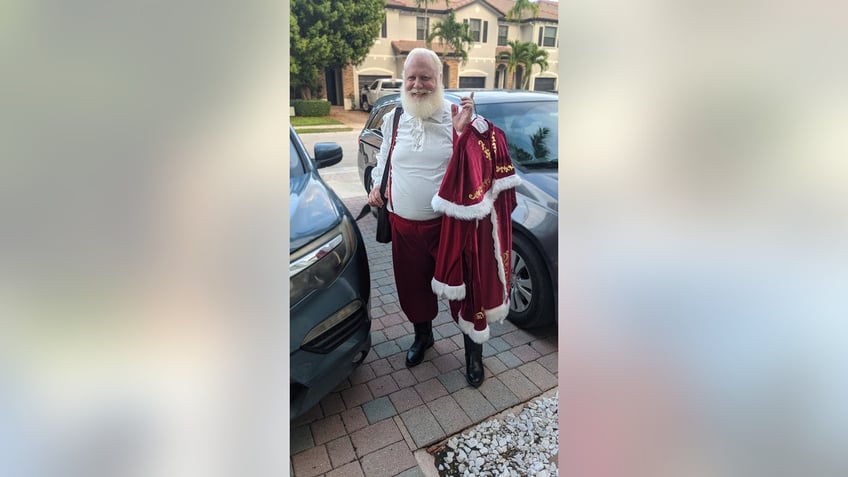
<point x="424" y="107"/>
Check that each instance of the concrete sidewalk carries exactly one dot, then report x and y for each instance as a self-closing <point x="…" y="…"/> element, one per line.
<point x="375" y="421"/>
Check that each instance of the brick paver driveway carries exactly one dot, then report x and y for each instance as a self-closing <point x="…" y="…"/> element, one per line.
<point x="374" y="421"/>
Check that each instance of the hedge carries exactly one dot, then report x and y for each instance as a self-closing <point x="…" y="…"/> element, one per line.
<point x="311" y="107"/>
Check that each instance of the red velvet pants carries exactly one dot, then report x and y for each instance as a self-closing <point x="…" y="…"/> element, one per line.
<point x="414" y="247"/>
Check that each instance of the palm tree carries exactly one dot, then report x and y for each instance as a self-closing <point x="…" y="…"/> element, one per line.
<point x="519" y="55"/>
<point x="426" y="4"/>
<point x="456" y="35"/>
<point x="535" y="56"/>
<point x="525" y="54"/>
<point x="538" y="140"/>
<point x="517" y="10"/>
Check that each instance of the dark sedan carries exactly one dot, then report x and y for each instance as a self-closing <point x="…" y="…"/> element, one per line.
<point x="530" y="121"/>
<point x="329" y="281"/>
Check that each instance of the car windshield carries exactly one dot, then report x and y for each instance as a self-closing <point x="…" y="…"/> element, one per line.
<point x="531" y="130"/>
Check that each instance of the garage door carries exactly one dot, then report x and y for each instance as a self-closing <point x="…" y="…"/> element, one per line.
<point x="545" y="84"/>
<point x="472" y="82"/>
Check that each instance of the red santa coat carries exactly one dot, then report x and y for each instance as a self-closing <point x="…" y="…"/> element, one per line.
<point x="476" y="198"/>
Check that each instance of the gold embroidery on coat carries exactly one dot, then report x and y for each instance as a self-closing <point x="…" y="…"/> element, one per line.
<point x="504" y="169"/>
<point x="485" y="150"/>
<point x="477" y="193"/>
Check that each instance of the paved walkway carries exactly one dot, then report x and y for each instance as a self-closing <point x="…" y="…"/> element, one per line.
<point x="372" y="424"/>
<point x="353" y="118"/>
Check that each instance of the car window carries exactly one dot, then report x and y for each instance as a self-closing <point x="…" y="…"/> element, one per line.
<point x="376" y="122"/>
<point x="530" y="128"/>
<point x="296" y="167"/>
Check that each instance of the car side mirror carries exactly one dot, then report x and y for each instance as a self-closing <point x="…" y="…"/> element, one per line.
<point x="327" y="154"/>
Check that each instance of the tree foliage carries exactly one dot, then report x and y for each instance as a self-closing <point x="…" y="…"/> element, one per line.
<point x="426" y="4"/>
<point x="456" y="35"/>
<point x="330" y="34"/>
<point x="518" y="9"/>
<point x="525" y="54"/>
<point x="519" y="52"/>
<point x="535" y="56"/>
<point x="539" y="141"/>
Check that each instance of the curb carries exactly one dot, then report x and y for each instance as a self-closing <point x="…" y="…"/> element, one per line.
<point x="426" y="461"/>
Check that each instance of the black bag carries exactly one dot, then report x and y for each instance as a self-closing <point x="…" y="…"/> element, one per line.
<point x="384" y="227"/>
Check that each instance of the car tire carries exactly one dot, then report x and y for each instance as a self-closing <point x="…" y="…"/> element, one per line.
<point x="366" y="179"/>
<point x="365" y="105"/>
<point x="531" y="294"/>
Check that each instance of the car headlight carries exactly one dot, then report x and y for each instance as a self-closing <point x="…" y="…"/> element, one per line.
<point x="320" y="262"/>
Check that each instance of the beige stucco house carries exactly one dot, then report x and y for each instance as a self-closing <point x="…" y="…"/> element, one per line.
<point x="406" y="27"/>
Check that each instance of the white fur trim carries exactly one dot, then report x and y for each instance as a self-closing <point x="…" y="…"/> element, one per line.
<point x="464" y="212"/>
<point x="497" y="314"/>
<point x="496" y="238"/>
<point x="505" y="183"/>
<point x="451" y="292"/>
<point x="467" y="327"/>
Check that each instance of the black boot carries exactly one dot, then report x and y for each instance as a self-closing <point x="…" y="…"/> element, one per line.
<point x="473" y="362"/>
<point x="423" y="340"/>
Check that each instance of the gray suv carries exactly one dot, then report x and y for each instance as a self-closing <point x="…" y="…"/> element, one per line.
<point x="329" y="281"/>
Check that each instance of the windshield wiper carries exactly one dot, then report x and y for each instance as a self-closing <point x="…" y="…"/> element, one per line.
<point x="540" y="165"/>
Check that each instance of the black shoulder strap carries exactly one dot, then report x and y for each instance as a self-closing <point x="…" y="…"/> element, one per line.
<point x="385" y="181"/>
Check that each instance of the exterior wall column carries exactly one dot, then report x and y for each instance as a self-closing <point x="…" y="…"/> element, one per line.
<point x="453" y="78"/>
<point x="348" y="90"/>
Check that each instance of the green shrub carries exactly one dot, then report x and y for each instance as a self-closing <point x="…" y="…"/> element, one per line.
<point x="311" y="107"/>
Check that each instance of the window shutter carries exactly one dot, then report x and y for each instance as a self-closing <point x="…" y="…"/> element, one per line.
<point x="485" y="31"/>
<point x="541" y="31"/>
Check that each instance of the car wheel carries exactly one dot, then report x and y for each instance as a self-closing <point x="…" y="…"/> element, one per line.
<point x="365" y="105"/>
<point x="531" y="295"/>
<point x="367" y="179"/>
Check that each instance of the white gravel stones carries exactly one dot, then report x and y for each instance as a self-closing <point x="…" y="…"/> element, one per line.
<point x="516" y="445"/>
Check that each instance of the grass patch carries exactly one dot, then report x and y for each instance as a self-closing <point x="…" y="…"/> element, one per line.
<point x="298" y="121"/>
<point x="321" y="130"/>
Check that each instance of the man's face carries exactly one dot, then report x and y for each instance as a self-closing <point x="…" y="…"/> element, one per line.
<point x="420" y="77"/>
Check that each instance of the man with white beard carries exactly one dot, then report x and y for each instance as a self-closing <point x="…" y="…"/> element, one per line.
<point x="422" y="151"/>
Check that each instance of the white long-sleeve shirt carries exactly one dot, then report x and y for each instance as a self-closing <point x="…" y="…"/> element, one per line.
<point x="420" y="158"/>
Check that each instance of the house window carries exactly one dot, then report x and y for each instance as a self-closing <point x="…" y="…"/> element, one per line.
<point x="547" y="36"/>
<point x="383" y="32"/>
<point x="502" y="32"/>
<point x="423" y="28"/>
<point x="476" y="27"/>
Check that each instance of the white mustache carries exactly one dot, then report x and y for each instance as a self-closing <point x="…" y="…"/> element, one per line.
<point x="419" y="91"/>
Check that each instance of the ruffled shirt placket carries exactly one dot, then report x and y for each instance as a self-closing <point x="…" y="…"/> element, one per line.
<point x="416" y="133"/>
